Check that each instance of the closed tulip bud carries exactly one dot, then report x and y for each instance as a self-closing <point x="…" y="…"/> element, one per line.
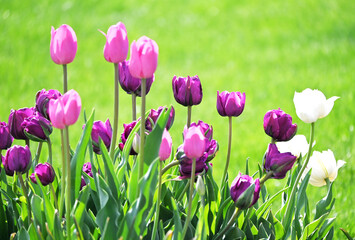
<point x="45" y="174"/>
<point x="116" y="47"/>
<point x="311" y="105"/>
<point x="144" y="58"/>
<point x="5" y="137"/>
<point x="155" y="114"/>
<point x="278" y="163"/>
<point x="245" y="191"/>
<point x="42" y="100"/>
<point x="16" y="119"/>
<point x="124" y="136"/>
<point x="230" y="104"/>
<point x="165" y="146"/>
<point x="278" y="125"/>
<point x="194" y="142"/>
<point x="37" y="128"/>
<point x="6" y="167"/>
<point x="65" y="110"/>
<point x="131" y="84"/>
<point x="187" y="91"/>
<point x="18" y="159"/>
<point x="200" y="186"/>
<point x="101" y="130"/>
<point x="63" y="44"/>
<point x="88" y="170"/>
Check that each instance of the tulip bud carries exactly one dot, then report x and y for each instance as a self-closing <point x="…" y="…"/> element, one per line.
<point x="131" y="84"/>
<point x="88" y="170"/>
<point x="155" y="114"/>
<point x="165" y="146"/>
<point x="136" y="143"/>
<point x="200" y="186"/>
<point x="16" y="119"/>
<point x="101" y="130"/>
<point x="187" y="91"/>
<point x="42" y="100"/>
<point x="124" y="136"/>
<point x="5" y="137"/>
<point x="45" y="174"/>
<point x="63" y="45"/>
<point x="144" y="58"/>
<point x="278" y="125"/>
<point x="311" y="105"/>
<point x="65" y="110"/>
<point x="194" y="142"/>
<point x="278" y="163"/>
<point x="230" y="104"/>
<point x="6" y="167"/>
<point x="116" y="47"/>
<point x="17" y="159"/>
<point x="245" y="191"/>
<point x="37" y="128"/>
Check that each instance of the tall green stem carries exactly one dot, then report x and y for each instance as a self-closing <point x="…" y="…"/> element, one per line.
<point x="25" y="193"/>
<point x="62" y="190"/>
<point x="289" y="200"/>
<point x="170" y="165"/>
<point x="38" y="153"/>
<point x="49" y="143"/>
<point x="156" y="220"/>
<point x="134" y="106"/>
<point x="229" y="150"/>
<point x="65" y="78"/>
<point x="142" y="131"/>
<point x="189" y="116"/>
<point x="229" y="224"/>
<point x="192" y="180"/>
<point x="54" y="196"/>
<point x="115" y="113"/>
<point x="68" y="190"/>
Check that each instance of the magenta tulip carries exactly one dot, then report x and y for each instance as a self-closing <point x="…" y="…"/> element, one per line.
<point x="5" y="137"/>
<point x="45" y="173"/>
<point x="278" y="125"/>
<point x="63" y="44"/>
<point x="17" y="159"/>
<point x="165" y="146"/>
<point x="65" y="110"/>
<point x="116" y="47"/>
<point x="239" y="186"/>
<point x="144" y="58"/>
<point x="230" y="104"/>
<point x="16" y="118"/>
<point x="194" y="142"/>
<point x="42" y="100"/>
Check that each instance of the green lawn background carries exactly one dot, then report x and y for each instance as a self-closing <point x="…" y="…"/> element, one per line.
<point x="267" y="49"/>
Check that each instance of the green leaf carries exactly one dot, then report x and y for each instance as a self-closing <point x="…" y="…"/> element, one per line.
<point x="23" y="234"/>
<point x="177" y="221"/>
<point x="310" y="228"/>
<point x="326" y="204"/>
<point x="346" y="234"/>
<point x="261" y="210"/>
<point x="326" y="227"/>
<point x="3" y="219"/>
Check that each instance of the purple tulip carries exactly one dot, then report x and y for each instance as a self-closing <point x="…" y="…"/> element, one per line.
<point x="101" y="130"/>
<point x="37" y="128"/>
<point x="17" y="159"/>
<point x="16" y="119"/>
<point x="278" y="163"/>
<point x="154" y="115"/>
<point x="124" y="136"/>
<point x="42" y="100"/>
<point x="230" y="104"/>
<point x="6" y="167"/>
<point x="185" y="167"/>
<point x="239" y="186"/>
<point x="116" y="47"/>
<point x="278" y="125"/>
<point x="63" y="44"/>
<point x="88" y="170"/>
<point x="5" y="137"/>
<point x="45" y="173"/>
<point x="187" y="91"/>
<point x="131" y="84"/>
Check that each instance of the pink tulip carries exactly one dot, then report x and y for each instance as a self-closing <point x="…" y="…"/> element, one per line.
<point x="144" y="58"/>
<point x="65" y="110"/>
<point x="116" y="47"/>
<point x="165" y="146"/>
<point x="194" y="142"/>
<point x="63" y="44"/>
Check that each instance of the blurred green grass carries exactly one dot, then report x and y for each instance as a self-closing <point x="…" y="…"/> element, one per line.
<point x="268" y="50"/>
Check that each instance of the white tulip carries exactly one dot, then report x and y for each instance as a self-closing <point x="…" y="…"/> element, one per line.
<point x="311" y="105"/>
<point x="323" y="165"/>
<point x="297" y="146"/>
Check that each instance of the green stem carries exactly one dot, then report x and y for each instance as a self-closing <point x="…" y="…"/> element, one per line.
<point x="28" y="142"/>
<point x="142" y="134"/>
<point x="170" y="165"/>
<point x="189" y="116"/>
<point x="38" y="153"/>
<point x="68" y="190"/>
<point x="328" y="182"/>
<point x="49" y="143"/>
<point x="299" y="175"/>
<point x="229" y="151"/>
<point x="65" y="78"/>
<point x="266" y="177"/>
<point x="115" y="113"/>
<point x="134" y="106"/>
<point x="61" y="204"/>
<point x="229" y="224"/>
<point x="156" y="220"/>
<point x="25" y="193"/>
<point x="192" y="180"/>
<point x="182" y="193"/>
<point x="54" y="196"/>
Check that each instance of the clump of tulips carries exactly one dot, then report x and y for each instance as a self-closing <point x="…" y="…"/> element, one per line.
<point x="135" y="186"/>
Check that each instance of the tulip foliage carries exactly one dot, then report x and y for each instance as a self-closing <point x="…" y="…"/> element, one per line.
<point x="140" y="188"/>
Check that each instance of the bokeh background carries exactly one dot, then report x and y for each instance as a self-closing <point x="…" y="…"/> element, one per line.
<point x="267" y="49"/>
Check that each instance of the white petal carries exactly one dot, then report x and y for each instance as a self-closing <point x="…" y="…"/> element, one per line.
<point x="340" y="163"/>
<point x="328" y="106"/>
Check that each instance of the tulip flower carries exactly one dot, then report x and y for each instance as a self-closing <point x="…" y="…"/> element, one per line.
<point x="116" y="47"/>
<point x="42" y="100"/>
<point x="144" y="58"/>
<point x="297" y="146"/>
<point x="5" y="137"/>
<point x="6" y="167"/>
<point x="278" y="125"/>
<point x="194" y="142"/>
<point x="16" y="119"/>
<point x="101" y="130"/>
<point x="45" y="174"/>
<point x="239" y="188"/>
<point x="187" y="90"/>
<point x="185" y="166"/>
<point x="154" y="115"/>
<point x="88" y="170"/>
<point x="278" y="163"/>
<point x="65" y="110"/>
<point x="37" y="128"/>
<point x="17" y="159"/>
<point x="311" y="105"/>
<point x="324" y="166"/>
<point x="63" y="44"/>
<point x="230" y="104"/>
<point x="165" y="146"/>
<point x="124" y="136"/>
